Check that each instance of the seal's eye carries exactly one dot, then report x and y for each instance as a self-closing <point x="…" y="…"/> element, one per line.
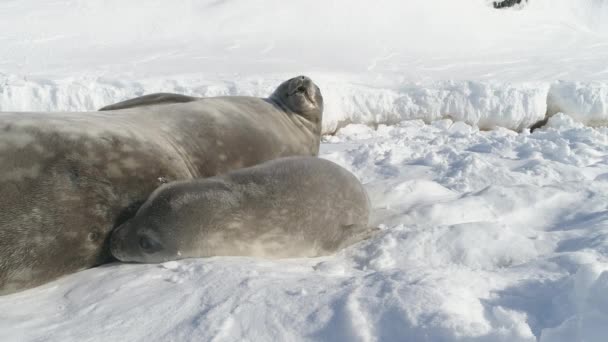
<point x="149" y="245"/>
<point x="145" y="243"/>
<point x="302" y="88"/>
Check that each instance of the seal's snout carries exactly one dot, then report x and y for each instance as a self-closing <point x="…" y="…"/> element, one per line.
<point x="116" y="241"/>
<point x="303" y="86"/>
<point x="305" y="80"/>
<point x="302" y="96"/>
<point x="301" y="81"/>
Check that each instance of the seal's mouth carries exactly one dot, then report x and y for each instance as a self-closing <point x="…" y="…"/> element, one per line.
<point x="304" y="91"/>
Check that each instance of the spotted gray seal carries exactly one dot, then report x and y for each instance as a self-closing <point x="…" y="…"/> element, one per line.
<point x="67" y="179"/>
<point x="288" y="207"/>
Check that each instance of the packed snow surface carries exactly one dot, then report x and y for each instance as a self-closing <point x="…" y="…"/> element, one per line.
<point x="489" y="232"/>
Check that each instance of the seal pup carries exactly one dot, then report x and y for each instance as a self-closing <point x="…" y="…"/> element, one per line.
<point x="67" y="179"/>
<point x="288" y="207"/>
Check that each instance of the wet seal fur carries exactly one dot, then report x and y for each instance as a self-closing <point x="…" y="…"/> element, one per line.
<point x="288" y="207"/>
<point x="67" y="179"/>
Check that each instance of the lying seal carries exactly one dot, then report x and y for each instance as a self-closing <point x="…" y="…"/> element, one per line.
<point x="289" y="207"/>
<point x="67" y="179"/>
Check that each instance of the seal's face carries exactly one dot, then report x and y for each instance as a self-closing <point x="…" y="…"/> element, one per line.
<point x="140" y="239"/>
<point x="137" y="242"/>
<point x="300" y="95"/>
<point x="170" y="225"/>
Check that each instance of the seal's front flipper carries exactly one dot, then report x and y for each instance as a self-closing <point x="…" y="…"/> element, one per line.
<point x="150" y="100"/>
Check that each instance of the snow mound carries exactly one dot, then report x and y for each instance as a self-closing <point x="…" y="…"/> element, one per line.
<point x="486" y="105"/>
<point x="586" y="102"/>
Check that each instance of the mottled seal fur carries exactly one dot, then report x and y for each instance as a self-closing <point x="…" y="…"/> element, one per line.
<point x="67" y="179"/>
<point x="289" y="207"/>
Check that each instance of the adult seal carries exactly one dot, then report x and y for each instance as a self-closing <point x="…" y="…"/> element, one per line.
<point x="289" y="207"/>
<point x="67" y="179"/>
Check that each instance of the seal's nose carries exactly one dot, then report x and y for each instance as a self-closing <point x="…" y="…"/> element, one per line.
<point x="301" y="84"/>
<point x="303" y="79"/>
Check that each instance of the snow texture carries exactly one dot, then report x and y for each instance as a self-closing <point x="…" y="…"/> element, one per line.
<point x="489" y="232"/>
<point x="399" y="60"/>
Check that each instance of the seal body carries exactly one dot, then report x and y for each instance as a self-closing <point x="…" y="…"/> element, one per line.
<point x="289" y="207"/>
<point x="67" y="179"/>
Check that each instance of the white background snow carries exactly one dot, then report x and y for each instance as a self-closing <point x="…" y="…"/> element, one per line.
<point x="490" y="232"/>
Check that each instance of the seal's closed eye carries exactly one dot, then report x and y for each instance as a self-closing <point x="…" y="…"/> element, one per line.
<point x="149" y="245"/>
<point x="144" y="243"/>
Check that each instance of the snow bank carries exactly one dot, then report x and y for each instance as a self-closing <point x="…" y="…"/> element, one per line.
<point x="587" y="102"/>
<point x="484" y="104"/>
<point x="487" y="105"/>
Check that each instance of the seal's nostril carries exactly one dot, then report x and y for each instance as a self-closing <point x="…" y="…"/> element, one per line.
<point x="302" y="78"/>
<point x="301" y="88"/>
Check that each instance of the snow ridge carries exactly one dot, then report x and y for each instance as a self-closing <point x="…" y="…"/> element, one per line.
<point x="485" y="104"/>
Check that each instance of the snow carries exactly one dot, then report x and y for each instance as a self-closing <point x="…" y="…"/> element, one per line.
<point x="587" y="102"/>
<point x="397" y="61"/>
<point x="490" y="232"/>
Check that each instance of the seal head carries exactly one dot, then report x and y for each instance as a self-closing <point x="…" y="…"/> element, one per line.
<point x="300" y="95"/>
<point x="147" y="243"/>
<point x="153" y="235"/>
<point x="142" y="245"/>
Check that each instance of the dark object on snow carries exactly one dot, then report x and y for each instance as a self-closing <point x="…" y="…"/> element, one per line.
<point x="539" y="124"/>
<point x="506" y="3"/>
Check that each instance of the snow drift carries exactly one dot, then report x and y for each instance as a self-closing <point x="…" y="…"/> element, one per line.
<point x="488" y="235"/>
<point x="486" y="104"/>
